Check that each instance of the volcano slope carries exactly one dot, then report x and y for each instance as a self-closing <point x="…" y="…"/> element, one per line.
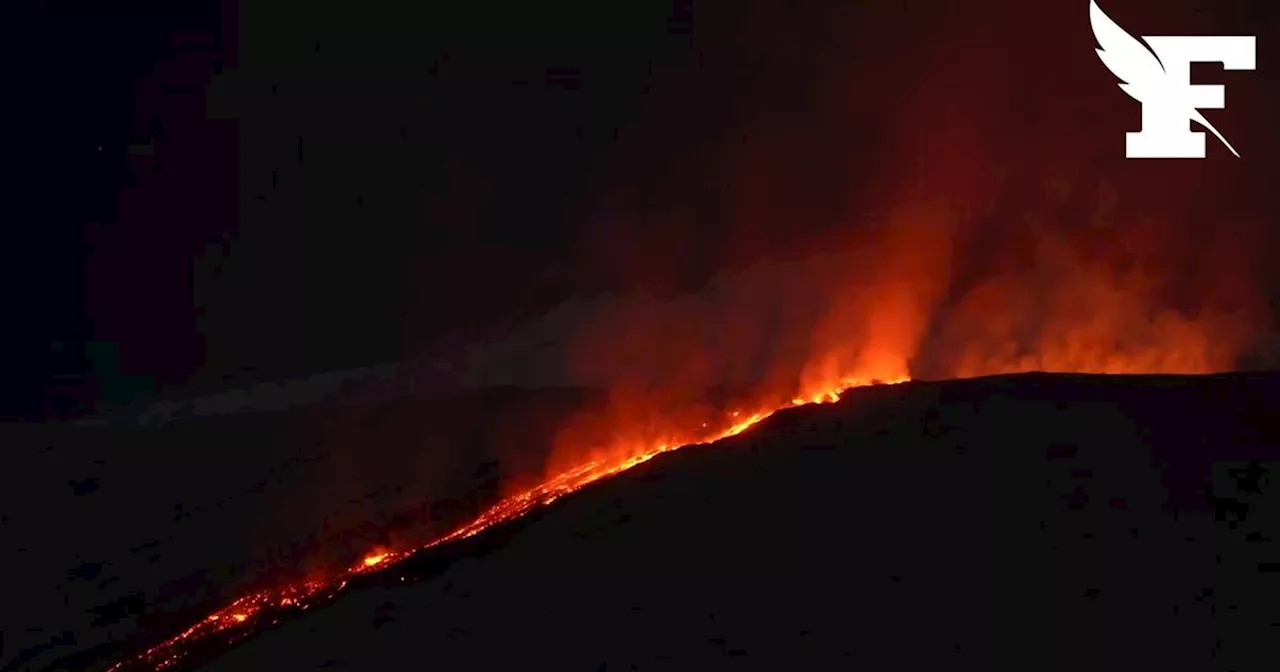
<point x="115" y="532"/>
<point x="1023" y="522"/>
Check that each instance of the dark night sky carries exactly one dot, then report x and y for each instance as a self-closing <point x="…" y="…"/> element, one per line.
<point x="296" y="211"/>
<point x="331" y="187"/>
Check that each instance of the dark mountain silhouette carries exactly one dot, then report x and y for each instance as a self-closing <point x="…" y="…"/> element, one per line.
<point x="1033" y="521"/>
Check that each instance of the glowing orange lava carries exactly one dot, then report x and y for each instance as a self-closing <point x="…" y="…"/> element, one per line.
<point x="241" y="616"/>
<point x="374" y="560"/>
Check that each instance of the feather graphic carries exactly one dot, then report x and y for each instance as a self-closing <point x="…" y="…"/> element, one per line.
<point x="1128" y="59"/>
<point x="1134" y="64"/>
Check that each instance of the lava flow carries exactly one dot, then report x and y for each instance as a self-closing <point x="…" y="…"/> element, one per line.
<point x="243" y="616"/>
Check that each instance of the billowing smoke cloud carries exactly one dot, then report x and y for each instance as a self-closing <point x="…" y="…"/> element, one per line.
<point x="937" y="189"/>
<point x="924" y="190"/>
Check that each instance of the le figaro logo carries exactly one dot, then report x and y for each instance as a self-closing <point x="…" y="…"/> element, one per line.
<point x="1158" y="75"/>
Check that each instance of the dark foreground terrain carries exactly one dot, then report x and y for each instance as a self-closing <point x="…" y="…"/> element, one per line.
<point x="1038" y="522"/>
<point x="112" y="531"/>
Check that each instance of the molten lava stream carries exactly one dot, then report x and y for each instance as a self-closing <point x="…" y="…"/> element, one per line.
<point x="238" y="619"/>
